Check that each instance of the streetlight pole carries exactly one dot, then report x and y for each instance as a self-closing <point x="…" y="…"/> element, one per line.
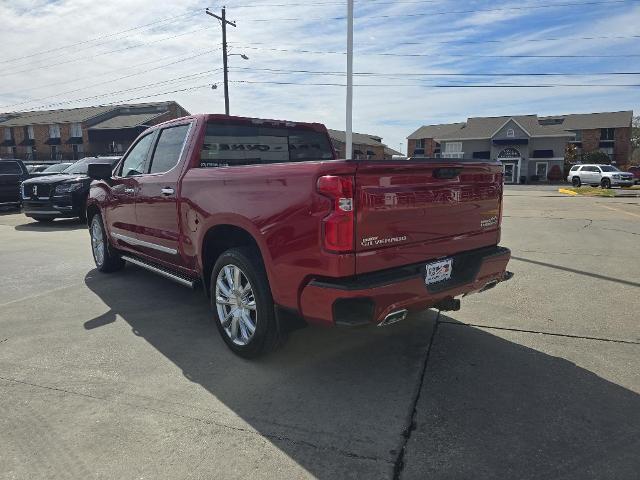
<point x="224" y="22"/>
<point x="349" y="130"/>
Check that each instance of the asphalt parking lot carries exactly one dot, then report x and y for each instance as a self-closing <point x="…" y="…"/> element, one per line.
<point x="124" y="376"/>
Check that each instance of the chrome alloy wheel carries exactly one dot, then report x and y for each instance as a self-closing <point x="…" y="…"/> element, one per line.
<point x="97" y="241"/>
<point x="236" y="304"/>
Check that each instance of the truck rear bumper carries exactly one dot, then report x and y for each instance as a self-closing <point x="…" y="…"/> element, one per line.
<point x="370" y="298"/>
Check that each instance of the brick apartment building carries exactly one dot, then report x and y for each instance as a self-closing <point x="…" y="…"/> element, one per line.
<point x="528" y="145"/>
<point x="365" y="146"/>
<point x="70" y="134"/>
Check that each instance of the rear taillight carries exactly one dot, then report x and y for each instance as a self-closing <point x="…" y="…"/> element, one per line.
<point x="338" y="226"/>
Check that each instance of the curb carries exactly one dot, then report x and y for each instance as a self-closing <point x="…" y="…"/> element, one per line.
<point x="567" y="192"/>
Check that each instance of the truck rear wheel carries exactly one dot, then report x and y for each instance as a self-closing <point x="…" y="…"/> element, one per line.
<point x="242" y="303"/>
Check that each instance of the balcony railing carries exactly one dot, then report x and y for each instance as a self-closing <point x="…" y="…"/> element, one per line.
<point x="459" y="155"/>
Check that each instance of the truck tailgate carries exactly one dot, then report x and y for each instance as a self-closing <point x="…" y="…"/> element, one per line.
<point x="412" y="211"/>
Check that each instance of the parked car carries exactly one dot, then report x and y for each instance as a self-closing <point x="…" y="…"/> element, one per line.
<point x="31" y="169"/>
<point x="606" y="176"/>
<point x="51" y="169"/>
<point x="12" y="173"/>
<point x="267" y="220"/>
<point x="63" y="195"/>
<point x="635" y="171"/>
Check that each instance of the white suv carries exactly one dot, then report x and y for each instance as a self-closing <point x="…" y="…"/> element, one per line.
<point x="606" y="176"/>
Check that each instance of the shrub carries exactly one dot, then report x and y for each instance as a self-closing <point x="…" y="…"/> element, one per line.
<point x="596" y="157"/>
<point x="555" y="174"/>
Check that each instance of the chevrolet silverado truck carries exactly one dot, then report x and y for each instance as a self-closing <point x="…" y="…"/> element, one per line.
<point x="263" y="215"/>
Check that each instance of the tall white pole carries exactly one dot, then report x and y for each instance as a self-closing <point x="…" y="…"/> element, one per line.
<point x="349" y="131"/>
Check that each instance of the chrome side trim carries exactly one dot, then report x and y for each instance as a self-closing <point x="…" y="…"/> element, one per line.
<point x="159" y="271"/>
<point x="42" y="212"/>
<point x="142" y="243"/>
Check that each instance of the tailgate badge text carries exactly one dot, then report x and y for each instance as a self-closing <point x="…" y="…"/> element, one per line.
<point x="374" y="241"/>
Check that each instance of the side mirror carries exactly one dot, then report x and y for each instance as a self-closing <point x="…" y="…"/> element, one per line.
<point x="100" y="171"/>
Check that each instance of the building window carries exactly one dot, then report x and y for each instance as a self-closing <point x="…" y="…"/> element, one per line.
<point x="420" y="143"/>
<point x="453" y="147"/>
<point x="509" y="153"/>
<point x="30" y="132"/>
<point x="76" y="130"/>
<point x="578" y="136"/>
<point x="29" y="155"/>
<point x="77" y="151"/>
<point x="511" y="133"/>
<point x="607" y="134"/>
<point x="54" y="131"/>
<point x="8" y="134"/>
<point x="54" y="152"/>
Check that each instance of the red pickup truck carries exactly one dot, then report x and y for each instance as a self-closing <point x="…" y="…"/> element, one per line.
<point x="270" y="223"/>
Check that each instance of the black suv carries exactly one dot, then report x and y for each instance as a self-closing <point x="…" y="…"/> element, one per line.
<point x="12" y="173"/>
<point x="63" y="195"/>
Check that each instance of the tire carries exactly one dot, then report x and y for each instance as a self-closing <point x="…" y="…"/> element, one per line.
<point x="106" y="259"/>
<point x="236" y="314"/>
<point x="575" y="181"/>
<point x="43" y="219"/>
<point x="605" y="183"/>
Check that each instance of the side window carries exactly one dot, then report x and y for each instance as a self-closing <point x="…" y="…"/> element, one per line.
<point x="168" y="148"/>
<point x="134" y="162"/>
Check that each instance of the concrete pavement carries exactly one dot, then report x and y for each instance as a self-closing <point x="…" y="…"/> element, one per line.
<point x="124" y="376"/>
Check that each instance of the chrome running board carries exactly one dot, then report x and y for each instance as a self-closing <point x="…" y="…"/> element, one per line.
<point x="160" y="271"/>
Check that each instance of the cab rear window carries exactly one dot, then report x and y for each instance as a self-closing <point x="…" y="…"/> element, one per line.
<point x="231" y="145"/>
<point x="10" y="168"/>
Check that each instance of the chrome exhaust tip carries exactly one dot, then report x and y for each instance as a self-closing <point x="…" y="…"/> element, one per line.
<point x="394" y="317"/>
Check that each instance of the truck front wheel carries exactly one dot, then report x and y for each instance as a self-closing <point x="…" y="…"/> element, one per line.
<point x="105" y="258"/>
<point x="242" y="303"/>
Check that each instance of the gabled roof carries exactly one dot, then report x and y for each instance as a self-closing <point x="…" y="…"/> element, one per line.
<point x="71" y="115"/>
<point x="126" y="121"/>
<point x="551" y="126"/>
<point x="390" y="151"/>
<point x="487" y="127"/>
<point x="433" y="131"/>
<point x="586" y="121"/>
<point x="358" y="138"/>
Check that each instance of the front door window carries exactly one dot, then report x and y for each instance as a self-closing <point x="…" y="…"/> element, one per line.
<point x="509" y="172"/>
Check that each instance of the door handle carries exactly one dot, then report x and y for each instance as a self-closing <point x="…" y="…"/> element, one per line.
<point x="130" y="190"/>
<point x="167" y="191"/>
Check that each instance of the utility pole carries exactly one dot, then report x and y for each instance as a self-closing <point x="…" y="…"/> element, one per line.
<point x="224" y="22"/>
<point x="349" y="132"/>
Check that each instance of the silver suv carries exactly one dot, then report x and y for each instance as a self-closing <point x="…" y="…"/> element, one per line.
<point x="606" y="176"/>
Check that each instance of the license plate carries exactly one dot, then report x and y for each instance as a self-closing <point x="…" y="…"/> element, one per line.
<point x="438" y="271"/>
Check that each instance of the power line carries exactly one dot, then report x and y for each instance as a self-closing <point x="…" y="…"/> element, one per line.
<point x="51" y="65"/>
<point x="115" y="79"/>
<point x="92" y="97"/>
<point x="449" y="42"/>
<point x="329" y="84"/>
<point x="457" y="12"/>
<point x="74" y="80"/>
<point x="415" y="74"/>
<point x="632" y="55"/>
<point x="110" y="35"/>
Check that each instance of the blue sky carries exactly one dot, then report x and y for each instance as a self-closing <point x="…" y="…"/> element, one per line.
<point x="396" y="39"/>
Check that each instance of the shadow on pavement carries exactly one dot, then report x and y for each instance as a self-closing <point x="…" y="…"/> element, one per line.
<point x="579" y="272"/>
<point x="56" y="225"/>
<point x="492" y="408"/>
<point x="340" y="399"/>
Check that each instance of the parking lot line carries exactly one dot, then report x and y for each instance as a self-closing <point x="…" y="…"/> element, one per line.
<point x="620" y="210"/>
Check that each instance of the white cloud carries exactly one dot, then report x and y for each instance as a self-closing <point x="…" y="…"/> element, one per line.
<point x="392" y="111"/>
